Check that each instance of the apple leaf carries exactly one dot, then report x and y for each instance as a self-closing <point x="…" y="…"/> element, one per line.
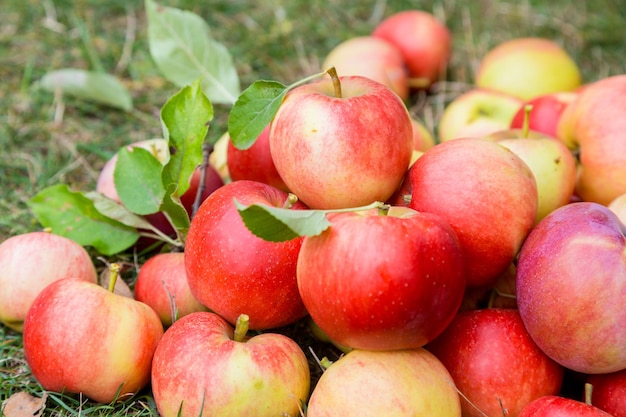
<point x="98" y="87"/>
<point x="281" y="224"/>
<point x="73" y="215"/>
<point x="137" y="179"/>
<point x="185" y="118"/>
<point x="253" y="111"/>
<point x="182" y="48"/>
<point x="174" y="211"/>
<point x="116" y="211"/>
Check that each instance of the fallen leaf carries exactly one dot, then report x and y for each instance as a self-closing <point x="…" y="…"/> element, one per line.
<point x="23" y="404"/>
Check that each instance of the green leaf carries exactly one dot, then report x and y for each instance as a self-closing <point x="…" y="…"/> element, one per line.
<point x="253" y="111"/>
<point x="116" y="211"/>
<point x="71" y="214"/>
<point x="281" y="224"/>
<point x="94" y="86"/>
<point x="185" y="118"/>
<point x="183" y="50"/>
<point x="137" y="179"/>
<point x="175" y="212"/>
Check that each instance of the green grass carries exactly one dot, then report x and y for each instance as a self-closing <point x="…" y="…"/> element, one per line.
<point x="45" y="139"/>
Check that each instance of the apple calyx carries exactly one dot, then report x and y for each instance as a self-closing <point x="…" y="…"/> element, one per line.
<point x="526" y="123"/>
<point x="114" y="273"/>
<point x="241" y="328"/>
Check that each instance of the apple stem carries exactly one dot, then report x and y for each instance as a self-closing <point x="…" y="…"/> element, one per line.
<point x="526" y="124"/>
<point x="290" y="201"/>
<point x="332" y="71"/>
<point x="383" y="209"/>
<point x="588" y="392"/>
<point x="241" y="327"/>
<point x="206" y="151"/>
<point x="114" y="272"/>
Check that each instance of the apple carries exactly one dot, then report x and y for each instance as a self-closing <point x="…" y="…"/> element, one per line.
<point x="423" y="138"/>
<point x="425" y="43"/>
<point x="571" y="281"/>
<point x="609" y="392"/>
<point x="382" y="282"/>
<point x="29" y="262"/>
<point x="371" y="57"/>
<point x="82" y="338"/>
<point x="218" y="158"/>
<point x="388" y="383"/>
<point x="340" y="150"/>
<point x="494" y="362"/>
<point x="162" y="284"/>
<point x="486" y="193"/>
<point x="618" y="206"/>
<point x="476" y="113"/>
<point x="527" y="68"/>
<point x="500" y="294"/>
<point x="203" y="367"/>
<point x="557" y="406"/>
<point x="545" y="114"/>
<point x="231" y="271"/>
<point x="593" y="125"/>
<point x="254" y="163"/>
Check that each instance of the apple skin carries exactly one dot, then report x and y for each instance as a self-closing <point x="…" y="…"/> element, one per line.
<point x="161" y="281"/>
<point x="423" y="138"/>
<point x="486" y="193"/>
<point x="609" y="392"/>
<point x="342" y="152"/>
<point x="477" y="113"/>
<point x="618" y="206"/>
<point x="82" y="338"/>
<point x="231" y="271"/>
<point x="200" y="370"/>
<point x="571" y="279"/>
<point x="371" y="57"/>
<point x="527" y="68"/>
<point x="425" y="43"/>
<point x="545" y="114"/>
<point x="382" y="282"/>
<point x="556" y="406"/>
<point x="494" y="362"/>
<point x="254" y="163"/>
<point x="29" y="262"/>
<point x="388" y="383"/>
<point x="593" y="125"/>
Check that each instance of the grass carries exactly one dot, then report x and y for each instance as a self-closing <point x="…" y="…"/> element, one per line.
<point x="45" y="139"/>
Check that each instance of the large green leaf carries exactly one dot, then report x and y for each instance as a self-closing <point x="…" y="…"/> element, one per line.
<point x="137" y="179"/>
<point x="99" y="87"/>
<point x="73" y="215"/>
<point x="183" y="50"/>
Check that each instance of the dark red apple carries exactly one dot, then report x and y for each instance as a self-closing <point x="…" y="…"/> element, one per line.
<point x="555" y="406"/>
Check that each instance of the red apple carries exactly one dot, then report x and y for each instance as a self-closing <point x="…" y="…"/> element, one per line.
<point x="556" y="406"/>
<point x="201" y="367"/>
<point x="571" y="281"/>
<point x="494" y="362"/>
<point x="545" y="114"/>
<point x="609" y="392"/>
<point x="382" y="282"/>
<point x="81" y="338"/>
<point x="389" y="383"/>
<point x="425" y="43"/>
<point x="254" y="163"/>
<point x="336" y="152"/>
<point x="371" y="57"/>
<point x="162" y="284"/>
<point x="231" y="271"/>
<point x="486" y="193"/>
<point x="31" y="261"/>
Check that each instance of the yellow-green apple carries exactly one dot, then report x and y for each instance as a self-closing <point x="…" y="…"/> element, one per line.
<point x="494" y="362"/>
<point x="231" y="271"/>
<point x="425" y="43"/>
<point x="423" y="138"/>
<point x="218" y="158"/>
<point x="254" y="163"/>
<point x="571" y="281"/>
<point x="618" y="206"/>
<point x="593" y="125"/>
<point x="162" y="284"/>
<point x="545" y="112"/>
<point x="609" y="392"/>
<point x="371" y="57"/>
<point x="203" y="367"/>
<point x="486" y="193"/>
<point x="528" y="67"/>
<point x="551" y="162"/>
<point x="82" y="338"/>
<point x="557" y="406"/>
<point x="385" y="296"/>
<point x="31" y="261"/>
<point x="338" y="149"/>
<point x="388" y="383"/>
<point x="476" y="113"/>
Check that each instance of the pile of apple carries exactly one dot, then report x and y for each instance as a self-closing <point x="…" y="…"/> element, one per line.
<point x="479" y="274"/>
